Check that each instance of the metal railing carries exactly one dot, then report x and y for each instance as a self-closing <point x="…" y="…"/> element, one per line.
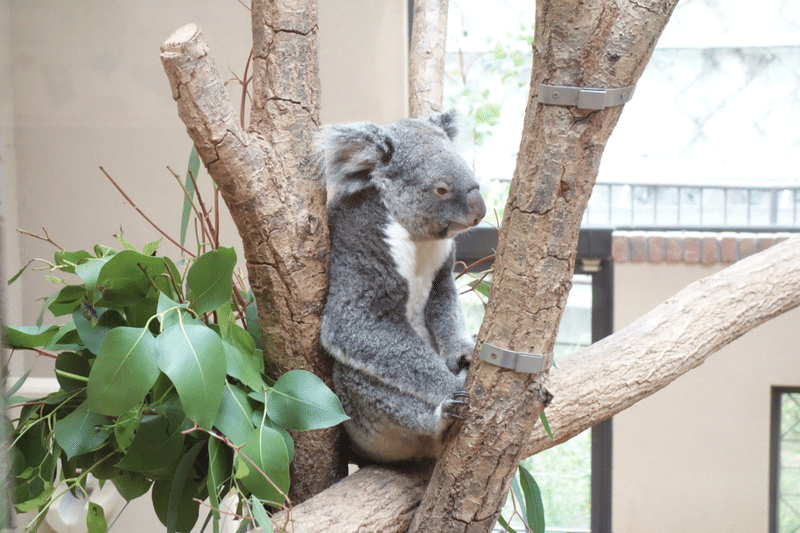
<point x="718" y="206"/>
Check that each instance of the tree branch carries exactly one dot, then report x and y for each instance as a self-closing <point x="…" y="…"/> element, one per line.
<point x="267" y="181"/>
<point x="426" y="57"/>
<point x="607" y="44"/>
<point x="675" y="337"/>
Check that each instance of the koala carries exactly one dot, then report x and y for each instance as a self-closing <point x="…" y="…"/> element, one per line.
<point x="397" y="196"/>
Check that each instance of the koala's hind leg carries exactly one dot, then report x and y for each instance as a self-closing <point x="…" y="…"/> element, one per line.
<point x="388" y="424"/>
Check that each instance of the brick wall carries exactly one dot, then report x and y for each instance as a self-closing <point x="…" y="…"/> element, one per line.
<point x="706" y="248"/>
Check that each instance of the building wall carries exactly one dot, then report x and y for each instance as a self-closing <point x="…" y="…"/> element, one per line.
<point x="694" y="457"/>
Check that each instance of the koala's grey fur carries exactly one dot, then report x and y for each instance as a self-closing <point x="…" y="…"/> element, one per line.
<point x="397" y="195"/>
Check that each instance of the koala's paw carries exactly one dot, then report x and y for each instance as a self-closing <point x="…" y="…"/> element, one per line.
<point x="459" y="362"/>
<point x="454" y="406"/>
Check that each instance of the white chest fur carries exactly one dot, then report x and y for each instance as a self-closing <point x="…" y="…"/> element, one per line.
<point x="418" y="263"/>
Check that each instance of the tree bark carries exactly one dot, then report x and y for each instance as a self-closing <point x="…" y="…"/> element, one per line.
<point x="268" y="183"/>
<point x="426" y="57"/>
<point x="578" y="43"/>
<point x="607" y="377"/>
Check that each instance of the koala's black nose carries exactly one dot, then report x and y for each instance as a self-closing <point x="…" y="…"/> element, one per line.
<point x="476" y="206"/>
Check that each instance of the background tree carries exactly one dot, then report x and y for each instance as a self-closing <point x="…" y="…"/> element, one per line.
<point x="278" y="206"/>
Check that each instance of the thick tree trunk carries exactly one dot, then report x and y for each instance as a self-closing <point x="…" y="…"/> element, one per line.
<point x="578" y="43"/>
<point x="269" y="186"/>
<point x="603" y="379"/>
<point x="426" y="57"/>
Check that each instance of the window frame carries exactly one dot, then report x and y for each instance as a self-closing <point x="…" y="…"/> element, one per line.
<point x="774" y="450"/>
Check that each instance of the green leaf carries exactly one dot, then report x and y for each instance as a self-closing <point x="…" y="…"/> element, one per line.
<point x="181" y="487"/>
<point x="245" y="366"/>
<point x="262" y="519"/>
<point x="28" y="336"/>
<point x="152" y="247"/>
<point x="219" y="471"/>
<point x="209" y="279"/>
<point x="72" y="370"/>
<point x="131" y="485"/>
<point x="262" y="420"/>
<point x="188" y="511"/>
<point x="498" y="52"/>
<point x="192" y="169"/>
<point x="81" y="431"/>
<point x="125" y="369"/>
<point x="66" y="338"/>
<point x="488" y="114"/>
<point x="153" y="447"/>
<point x="502" y="522"/>
<point x="301" y="401"/>
<point x="96" y="519"/>
<point x="92" y="332"/>
<point x="21" y="270"/>
<point x="251" y="315"/>
<point x="193" y="358"/>
<point x="534" y="514"/>
<point x="482" y="287"/>
<point x="16" y="386"/>
<point x="68" y="260"/>
<point x="543" y="418"/>
<point x="265" y="447"/>
<point x="234" y="417"/>
<point x="128" y="276"/>
<point x="125" y="428"/>
<point x="89" y="271"/>
<point x="139" y="314"/>
<point x="67" y="300"/>
<point x="36" y="502"/>
<point x="168" y="310"/>
<point x="125" y="244"/>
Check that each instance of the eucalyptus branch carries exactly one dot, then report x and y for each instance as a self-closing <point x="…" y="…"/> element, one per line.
<point x="158" y="229"/>
<point x="238" y="450"/>
<point x="213" y="232"/>
<point x="468" y="268"/>
<point x="244" y="83"/>
<point x="197" y="214"/>
<point x="46" y="238"/>
<point x="46" y="353"/>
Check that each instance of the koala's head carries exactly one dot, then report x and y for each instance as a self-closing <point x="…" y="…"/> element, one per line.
<point x="426" y="186"/>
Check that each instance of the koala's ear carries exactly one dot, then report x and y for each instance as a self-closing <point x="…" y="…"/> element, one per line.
<point x="448" y="121"/>
<point x="349" y="153"/>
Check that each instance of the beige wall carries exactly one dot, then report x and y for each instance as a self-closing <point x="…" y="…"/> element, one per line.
<point x="694" y="457"/>
<point x="87" y="89"/>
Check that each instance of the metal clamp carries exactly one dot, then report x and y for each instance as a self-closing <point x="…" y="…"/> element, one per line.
<point x="584" y="98"/>
<point x="521" y="362"/>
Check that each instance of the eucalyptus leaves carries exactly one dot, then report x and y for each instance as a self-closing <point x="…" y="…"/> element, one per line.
<point x="159" y="386"/>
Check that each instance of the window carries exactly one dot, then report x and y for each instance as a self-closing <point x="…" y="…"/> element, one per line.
<point x="784" y="489"/>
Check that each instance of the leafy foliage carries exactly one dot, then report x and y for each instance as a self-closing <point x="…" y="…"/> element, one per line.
<point x="159" y="387"/>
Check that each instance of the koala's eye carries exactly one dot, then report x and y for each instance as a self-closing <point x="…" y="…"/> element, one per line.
<point x="442" y="190"/>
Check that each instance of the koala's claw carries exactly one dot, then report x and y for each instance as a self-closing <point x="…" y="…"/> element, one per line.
<point x="453" y="406"/>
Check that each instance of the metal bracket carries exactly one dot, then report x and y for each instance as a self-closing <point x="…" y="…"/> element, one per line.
<point x="521" y="362"/>
<point x="584" y="98"/>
